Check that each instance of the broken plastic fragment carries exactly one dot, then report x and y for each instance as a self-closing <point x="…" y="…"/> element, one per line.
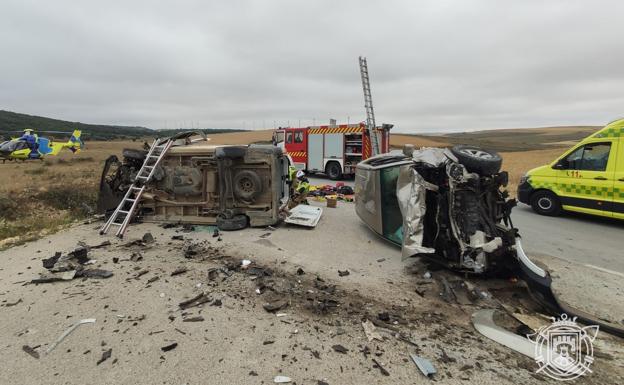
<point x="68" y="331"/>
<point x="281" y="380"/>
<point x="424" y="365"/>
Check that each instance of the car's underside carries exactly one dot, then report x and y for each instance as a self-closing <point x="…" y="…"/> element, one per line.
<point x="454" y="211"/>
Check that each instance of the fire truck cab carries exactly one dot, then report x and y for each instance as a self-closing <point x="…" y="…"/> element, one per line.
<point x="334" y="149"/>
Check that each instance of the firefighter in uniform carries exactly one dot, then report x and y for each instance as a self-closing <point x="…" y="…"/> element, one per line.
<point x="300" y="190"/>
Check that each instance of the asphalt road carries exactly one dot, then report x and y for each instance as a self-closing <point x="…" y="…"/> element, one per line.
<point x="592" y="241"/>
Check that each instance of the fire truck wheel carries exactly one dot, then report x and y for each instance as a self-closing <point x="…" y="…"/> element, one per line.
<point x="247" y="185"/>
<point x="333" y="170"/>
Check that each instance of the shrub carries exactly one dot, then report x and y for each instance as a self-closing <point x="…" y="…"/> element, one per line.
<point x="8" y="207"/>
<point x="79" y="200"/>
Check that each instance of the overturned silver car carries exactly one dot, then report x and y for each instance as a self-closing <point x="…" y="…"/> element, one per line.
<point x="450" y="206"/>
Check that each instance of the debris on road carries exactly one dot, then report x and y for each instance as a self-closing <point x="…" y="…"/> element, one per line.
<point x="178" y="271"/>
<point x="169" y="347"/>
<point x="68" y="332"/>
<point x="195" y="301"/>
<point x="281" y="380"/>
<point x="340" y="349"/>
<point x="276" y="305"/>
<point x="381" y="368"/>
<point x="370" y="331"/>
<point x="343" y="273"/>
<point x="193" y="319"/>
<point x="425" y="366"/>
<point x="105" y="356"/>
<point x="31" y="351"/>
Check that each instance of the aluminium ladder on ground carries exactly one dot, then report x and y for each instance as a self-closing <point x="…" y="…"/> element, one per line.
<point x="122" y="215"/>
<point x="368" y="104"/>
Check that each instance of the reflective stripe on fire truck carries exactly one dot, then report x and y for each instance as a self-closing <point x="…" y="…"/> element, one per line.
<point x="297" y="154"/>
<point x="336" y="130"/>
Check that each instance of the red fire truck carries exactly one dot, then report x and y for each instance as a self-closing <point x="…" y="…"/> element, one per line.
<point x="334" y="149"/>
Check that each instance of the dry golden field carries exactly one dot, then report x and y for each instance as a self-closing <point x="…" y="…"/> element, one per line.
<point x="41" y="196"/>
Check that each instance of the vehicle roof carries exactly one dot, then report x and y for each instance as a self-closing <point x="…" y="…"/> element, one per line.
<point x="614" y="129"/>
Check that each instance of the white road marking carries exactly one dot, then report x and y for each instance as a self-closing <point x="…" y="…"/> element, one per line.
<point x="605" y="270"/>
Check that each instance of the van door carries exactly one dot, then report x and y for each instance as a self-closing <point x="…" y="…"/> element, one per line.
<point x="618" y="183"/>
<point x="585" y="177"/>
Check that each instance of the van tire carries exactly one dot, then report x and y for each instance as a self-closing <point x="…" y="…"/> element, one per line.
<point x="247" y="185"/>
<point x="333" y="170"/>
<point x="478" y="160"/>
<point x="545" y="202"/>
<point x="130" y="153"/>
<point x="237" y="222"/>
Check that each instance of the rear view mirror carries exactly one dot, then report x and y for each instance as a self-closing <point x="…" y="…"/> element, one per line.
<point x="559" y="166"/>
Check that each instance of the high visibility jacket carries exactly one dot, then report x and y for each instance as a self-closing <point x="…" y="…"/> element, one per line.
<point x="292" y="172"/>
<point x="303" y="187"/>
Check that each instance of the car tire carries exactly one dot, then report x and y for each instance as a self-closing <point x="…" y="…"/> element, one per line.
<point x="478" y="160"/>
<point x="237" y="222"/>
<point x="133" y="154"/>
<point x="546" y="203"/>
<point x="231" y="152"/>
<point x="247" y="185"/>
<point x="333" y="170"/>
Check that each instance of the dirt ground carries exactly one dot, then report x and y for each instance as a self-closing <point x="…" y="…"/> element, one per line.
<point x="315" y="338"/>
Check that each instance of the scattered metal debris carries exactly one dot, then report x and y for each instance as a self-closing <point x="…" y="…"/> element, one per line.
<point x="343" y="273"/>
<point x="425" y="366"/>
<point x="274" y="306"/>
<point x="179" y="270"/>
<point x="303" y="215"/>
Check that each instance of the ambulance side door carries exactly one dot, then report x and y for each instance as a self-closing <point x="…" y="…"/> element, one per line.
<point x="585" y="177"/>
<point x="618" y="183"/>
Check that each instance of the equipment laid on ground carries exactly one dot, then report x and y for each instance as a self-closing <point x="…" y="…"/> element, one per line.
<point x="123" y="214"/>
<point x="334" y="149"/>
<point x="31" y="146"/>
<point x="588" y="178"/>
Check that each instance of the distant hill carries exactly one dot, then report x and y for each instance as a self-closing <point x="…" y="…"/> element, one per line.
<point x="13" y="121"/>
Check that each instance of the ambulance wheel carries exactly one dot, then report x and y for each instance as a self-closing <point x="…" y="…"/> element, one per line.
<point x="545" y="202"/>
<point x="237" y="222"/>
<point x="333" y="170"/>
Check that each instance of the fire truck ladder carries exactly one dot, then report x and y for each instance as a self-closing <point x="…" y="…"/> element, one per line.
<point x="124" y="212"/>
<point x="368" y="104"/>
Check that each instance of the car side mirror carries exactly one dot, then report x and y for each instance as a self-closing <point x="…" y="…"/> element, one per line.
<point x="558" y="166"/>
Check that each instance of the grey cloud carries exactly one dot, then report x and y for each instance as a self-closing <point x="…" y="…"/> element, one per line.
<point x="435" y="65"/>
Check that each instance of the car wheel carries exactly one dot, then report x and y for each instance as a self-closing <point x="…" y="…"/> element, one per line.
<point x="545" y="202"/>
<point x="333" y="170"/>
<point x="237" y="222"/>
<point x="247" y="185"/>
<point x="478" y="160"/>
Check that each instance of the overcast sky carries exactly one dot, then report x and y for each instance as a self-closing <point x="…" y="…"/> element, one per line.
<point x="434" y="65"/>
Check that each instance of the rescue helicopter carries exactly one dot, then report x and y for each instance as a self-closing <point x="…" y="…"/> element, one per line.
<point x="31" y="146"/>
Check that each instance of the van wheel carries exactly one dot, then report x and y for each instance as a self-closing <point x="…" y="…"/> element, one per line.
<point x="478" y="160"/>
<point x="333" y="170"/>
<point x="237" y="222"/>
<point x="545" y="202"/>
<point x="247" y="185"/>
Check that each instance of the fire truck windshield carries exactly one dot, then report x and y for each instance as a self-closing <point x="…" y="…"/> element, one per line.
<point x="278" y="137"/>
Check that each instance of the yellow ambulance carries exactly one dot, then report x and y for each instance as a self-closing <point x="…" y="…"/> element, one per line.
<point x="588" y="178"/>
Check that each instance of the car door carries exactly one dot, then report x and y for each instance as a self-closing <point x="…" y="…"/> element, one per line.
<point x="585" y="177"/>
<point x="618" y="183"/>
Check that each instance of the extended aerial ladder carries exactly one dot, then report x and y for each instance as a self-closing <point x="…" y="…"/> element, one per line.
<point x="124" y="212"/>
<point x="368" y="104"/>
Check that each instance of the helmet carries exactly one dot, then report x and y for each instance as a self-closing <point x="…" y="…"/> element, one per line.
<point x="300" y="174"/>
